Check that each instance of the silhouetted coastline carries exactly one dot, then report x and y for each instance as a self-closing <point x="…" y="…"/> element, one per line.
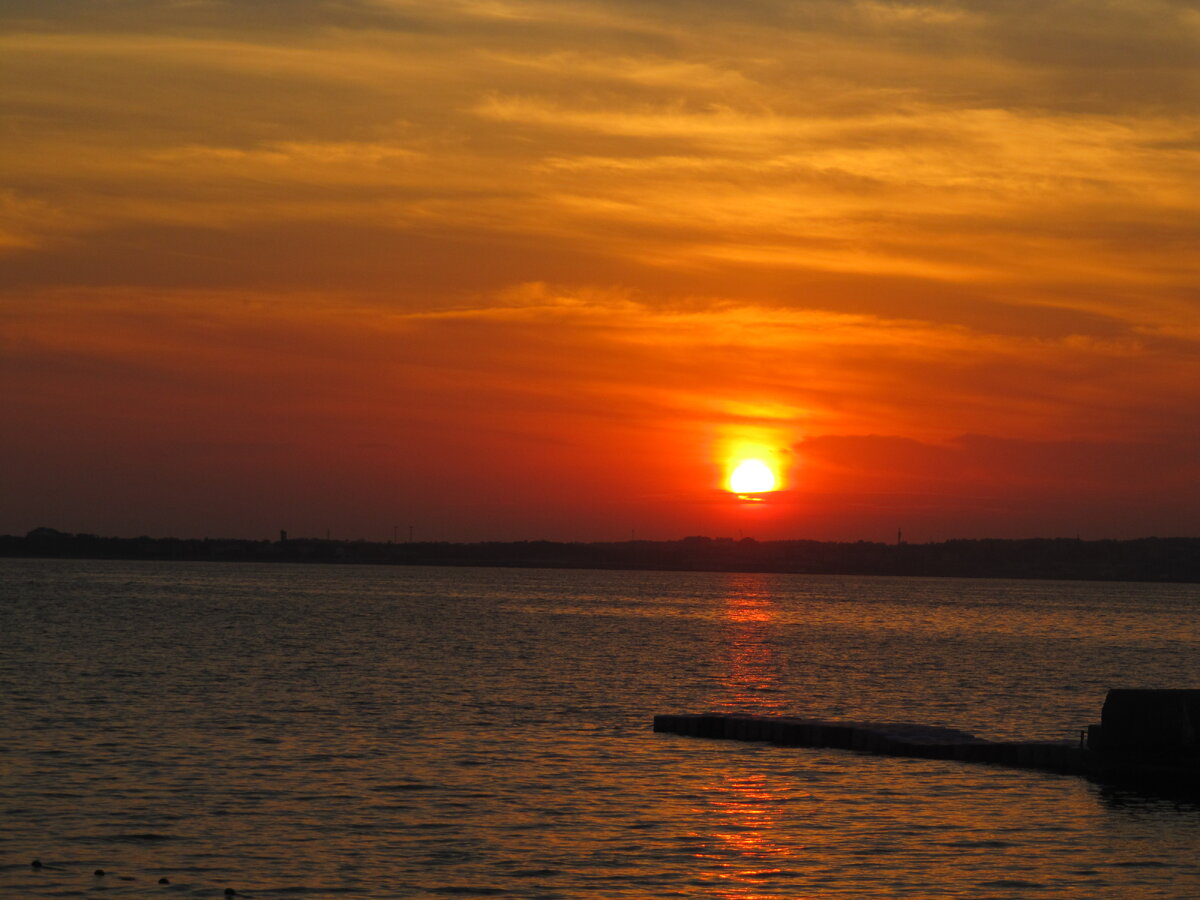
<point x="1143" y="559"/>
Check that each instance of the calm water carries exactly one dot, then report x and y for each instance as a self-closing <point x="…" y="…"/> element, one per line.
<point x="299" y="731"/>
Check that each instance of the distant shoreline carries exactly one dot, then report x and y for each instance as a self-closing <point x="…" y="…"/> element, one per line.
<point x="1171" y="560"/>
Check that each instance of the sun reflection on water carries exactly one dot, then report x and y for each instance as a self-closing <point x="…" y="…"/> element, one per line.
<point x="754" y="670"/>
<point x="742" y="848"/>
<point x="742" y="855"/>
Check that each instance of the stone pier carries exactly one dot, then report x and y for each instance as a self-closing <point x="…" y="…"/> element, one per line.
<point x="1144" y="735"/>
<point x="885" y="738"/>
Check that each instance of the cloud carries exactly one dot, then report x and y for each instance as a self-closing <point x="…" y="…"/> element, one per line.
<point x="835" y="148"/>
<point x="685" y="363"/>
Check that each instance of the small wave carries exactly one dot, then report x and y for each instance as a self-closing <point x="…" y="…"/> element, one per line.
<point x="1012" y="883"/>
<point x="768" y="874"/>
<point x="139" y="837"/>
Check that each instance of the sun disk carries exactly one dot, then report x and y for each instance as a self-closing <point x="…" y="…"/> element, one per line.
<point x="752" y="476"/>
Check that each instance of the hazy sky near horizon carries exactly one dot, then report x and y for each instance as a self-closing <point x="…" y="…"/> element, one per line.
<point x="520" y="269"/>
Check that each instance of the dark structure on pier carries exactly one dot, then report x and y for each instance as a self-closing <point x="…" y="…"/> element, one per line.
<point x="1147" y="732"/>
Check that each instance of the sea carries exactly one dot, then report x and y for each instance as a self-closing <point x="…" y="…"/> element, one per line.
<point x="309" y="731"/>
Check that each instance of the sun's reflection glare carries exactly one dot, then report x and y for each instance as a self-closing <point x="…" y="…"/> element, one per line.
<point x="742" y="852"/>
<point x="753" y="667"/>
<point x="741" y="848"/>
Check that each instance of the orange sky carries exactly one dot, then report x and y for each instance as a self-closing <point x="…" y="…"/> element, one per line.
<point x="508" y="270"/>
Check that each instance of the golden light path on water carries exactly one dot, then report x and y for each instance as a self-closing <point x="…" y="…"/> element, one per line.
<point x="746" y="811"/>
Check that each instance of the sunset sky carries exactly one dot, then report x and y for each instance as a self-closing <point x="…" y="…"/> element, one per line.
<point x="522" y="269"/>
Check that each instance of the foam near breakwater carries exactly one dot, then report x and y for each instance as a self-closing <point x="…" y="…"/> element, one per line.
<point x="884" y="738"/>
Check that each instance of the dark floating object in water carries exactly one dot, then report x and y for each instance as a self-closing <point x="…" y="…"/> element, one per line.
<point x="229" y="892"/>
<point x="98" y="872"/>
<point x="164" y="881"/>
<point x="36" y="864"/>
<point x="1144" y="735"/>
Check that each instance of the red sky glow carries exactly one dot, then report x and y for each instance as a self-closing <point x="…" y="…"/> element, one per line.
<point x="529" y="270"/>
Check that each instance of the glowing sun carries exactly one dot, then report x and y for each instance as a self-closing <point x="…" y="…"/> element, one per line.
<point x="752" y="476"/>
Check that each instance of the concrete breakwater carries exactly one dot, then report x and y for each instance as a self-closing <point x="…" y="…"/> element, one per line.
<point x="886" y="738"/>
<point x="1143" y="735"/>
